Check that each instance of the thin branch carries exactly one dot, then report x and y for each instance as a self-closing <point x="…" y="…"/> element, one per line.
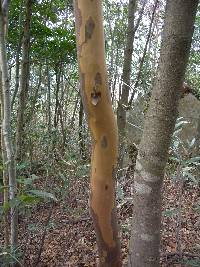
<point x="144" y="53"/>
<point x="137" y="24"/>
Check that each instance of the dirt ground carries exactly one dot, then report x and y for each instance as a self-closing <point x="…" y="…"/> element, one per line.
<point x="69" y="239"/>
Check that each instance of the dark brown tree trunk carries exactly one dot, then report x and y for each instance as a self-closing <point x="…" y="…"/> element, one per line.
<point x="158" y="129"/>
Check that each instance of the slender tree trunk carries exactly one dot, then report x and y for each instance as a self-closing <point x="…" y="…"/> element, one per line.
<point x="98" y="108"/>
<point x="80" y="133"/>
<point x="123" y="101"/>
<point x="58" y="74"/>
<point x="6" y="128"/>
<point x="158" y="129"/>
<point x="4" y="173"/>
<point x="49" y="100"/>
<point x="74" y="111"/>
<point x="137" y="24"/>
<point x="17" y="66"/>
<point x="24" y="83"/>
<point x="196" y="151"/>
<point x="29" y="116"/>
<point x="144" y="53"/>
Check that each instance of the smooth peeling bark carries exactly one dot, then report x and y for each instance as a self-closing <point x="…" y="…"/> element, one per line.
<point x="158" y="129"/>
<point x="98" y="108"/>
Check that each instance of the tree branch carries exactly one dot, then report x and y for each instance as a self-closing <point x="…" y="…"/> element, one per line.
<point x="144" y="54"/>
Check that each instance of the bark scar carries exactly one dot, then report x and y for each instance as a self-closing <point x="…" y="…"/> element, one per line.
<point x="95" y="97"/>
<point x="98" y="79"/>
<point x="96" y="94"/>
<point x="104" y="142"/>
<point x="89" y="29"/>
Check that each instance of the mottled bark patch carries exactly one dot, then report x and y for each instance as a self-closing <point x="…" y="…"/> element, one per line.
<point x="104" y="142"/>
<point x="89" y="28"/>
<point x="98" y="79"/>
<point x="142" y="188"/>
<point x="147" y="237"/>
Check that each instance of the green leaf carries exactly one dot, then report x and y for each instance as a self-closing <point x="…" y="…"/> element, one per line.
<point x="190" y="177"/>
<point x="170" y="212"/>
<point x="27" y="181"/>
<point x="34" y="227"/>
<point x="43" y="194"/>
<point x="1" y="168"/>
<point x="175" y="159"/>
<point x="14" y="202"/>
<point x="29" y="199"/>
<point x="22" y="166"/>
<point x="125" y="228"/>
<point x="6" y="206"/>
<point x="197" y="207"/>
<point x="2" y="188"/>
<point x="193" y="160"/>
<point x="192" y="262"/>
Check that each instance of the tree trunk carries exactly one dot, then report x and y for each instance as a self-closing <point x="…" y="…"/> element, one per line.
<point x="24" y="83"/>
<point x="98" y="108"/>
<point x="196" y="151"/>
<point x="4" y="172"/>
<point x="123" y="101"/>
<point x="58" y="75"/>
<point x="6" y="128"/>
<point x="34" y="98"/>
<point x="17" y="58"/>
<point x="158" y="129"/>
<point x="80" y="133"/>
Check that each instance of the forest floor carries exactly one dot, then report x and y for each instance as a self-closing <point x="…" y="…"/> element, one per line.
<point x="69" y="238"/>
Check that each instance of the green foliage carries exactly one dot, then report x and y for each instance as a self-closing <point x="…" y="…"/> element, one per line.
<point x="42" y="194"/>
<point x="198" y="207"/>
<point x="26" y="196"/>
<point x="34" y="227"/>
<point x="191" y="262"/>
<point x="6" y="257"/>
<point x="52" y="37"/>
<point x="51" y="144"/>
<point x="193" y="71"/>
<point x="170" y="212"/>
<point x="186" y="163"/>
